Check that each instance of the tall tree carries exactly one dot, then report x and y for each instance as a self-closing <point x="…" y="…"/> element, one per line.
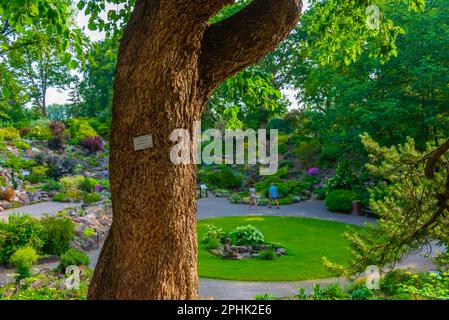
<point x="167" y="68"/>
<point x="39" y="67"/>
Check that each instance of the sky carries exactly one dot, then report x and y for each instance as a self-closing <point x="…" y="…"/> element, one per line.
<point x="58" y="96"/>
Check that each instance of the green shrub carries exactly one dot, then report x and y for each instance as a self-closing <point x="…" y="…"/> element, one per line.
<point x="23" y="259"/>
<point x="21" y="145"/>
<point x="213" y="244"/>
<point x="320" y="193"/>
<point x="38" y="174"/>
<point x="221" y="178"/>
<point x="214" y="233"/>
<point x="88" y="233"/>
<point x="264" y="296"/>
<point x="39" y="130"/>
<point x="344" y="178"/>
<point x="20" y="231"/>
<point x="79" y="129"/>
<point x="71" y="186"/>
<point x="91" y="197"/>
<point x="308" y="152"/>
<point x="58" y="232"/>
<point x="246" y="235"/>
<point x="361" y="292"/>
<point x="59" y="197"/>
<point x="283" y="143"/>
<point x="73" y="257"/>
<point x="341" y="200"/>
<point x="267" y="254"/>
<point x="88" y="185"/>
<point x="51" y="185"/>
<point x="9" y="134"/>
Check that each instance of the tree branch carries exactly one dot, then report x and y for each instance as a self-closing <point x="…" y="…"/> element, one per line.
<point x="241" y="40"/>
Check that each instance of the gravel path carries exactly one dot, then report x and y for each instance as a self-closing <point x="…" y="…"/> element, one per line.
<point x="39" y="209"/>
<point x="229" y="290"/>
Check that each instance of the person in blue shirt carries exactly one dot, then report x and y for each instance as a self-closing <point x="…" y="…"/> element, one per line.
<point x="274" y="196"/>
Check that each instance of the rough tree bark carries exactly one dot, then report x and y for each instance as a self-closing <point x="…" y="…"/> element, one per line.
<point x="170" y="60"/>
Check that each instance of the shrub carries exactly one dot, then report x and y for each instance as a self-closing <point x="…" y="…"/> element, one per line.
<point x="308" y="152"/>
<point x="79" y="129"/>
<point x="361" y="292"/>
<point x="246" y="235"/>
<point x="344" y="178"/>
<point x="73" y="257"/>
<point x="51" y="185"/>
<point x="264" y="296"/>
<point x="59" y="167"/>
<point x="23" y="259"/>
<point x="215" y="233"/>
<point x="88" y="185"/>
<point x="58" y="232"/>
<point x="9" y="134"/>
<point x="283" y="143"/>
<point x="57" y="131"/>
<point x="93" y="144"/>
<point x="341" y="200"/>
<point x="267" y="254"/>
<point x="91" y="197"/>
<point x="60" y="197"/>
<point x="21" y="145"/>
<point x="20" y="231"/>
<point x="39" y="130"/>
<point x="38" y="174"/>
<point x="213" y="244"/>
<point x="71" y="186"/>
<point x="7" y="195"/>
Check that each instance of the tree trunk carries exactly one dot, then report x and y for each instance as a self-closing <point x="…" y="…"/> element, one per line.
<point x="167" y="67"/>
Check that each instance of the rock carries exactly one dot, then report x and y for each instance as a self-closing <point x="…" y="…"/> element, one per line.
<point x="5" y="205"/>
<point x="280" y="251"/>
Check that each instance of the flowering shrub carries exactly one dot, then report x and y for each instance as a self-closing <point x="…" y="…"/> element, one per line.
<point x="93" y="144"/>
<point x="313" y="171"/>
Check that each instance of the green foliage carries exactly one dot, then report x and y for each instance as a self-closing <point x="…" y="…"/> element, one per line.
<point x="221" y="178"/>
<point x="91" y="197"/>
<point x="264" y="296"/>
<point x="20" y="231"/>
<point x="267" y="254"/>
<point x="38" y="174"/>
<point x="23" y="259"/>
<point x="51" y="185"/>
<point x="39" y="130"/>
<point x="246" y="235"/>
<point x="308" y="152"/>
<point x="60" y="197"/>
<point x="9" y="134"/>
<point x="344" y="178"/>
<point x="212" y="244"/>
<point x="341" y="200"/>
<point x="71" y="186"/>
<point x="73" y="257"/>
<point x="21" y="145"/>
<point x="79" y="129"/>
<point x="58" y="232"/>
<point x="213" y="233"/>
<point x="88" y="185"/>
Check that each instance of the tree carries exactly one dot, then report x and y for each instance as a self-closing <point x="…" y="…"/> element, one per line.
<point x="39" y="67"/>
<point x="166" y="70"/>
<point x="412" y="203"/>
<point x="96" y="87"/>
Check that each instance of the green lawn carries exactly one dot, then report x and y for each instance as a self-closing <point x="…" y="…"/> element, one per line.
<point x="306" y="240"/>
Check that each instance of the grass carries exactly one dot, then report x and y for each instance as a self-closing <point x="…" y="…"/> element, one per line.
<point x="306" y="240"/>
